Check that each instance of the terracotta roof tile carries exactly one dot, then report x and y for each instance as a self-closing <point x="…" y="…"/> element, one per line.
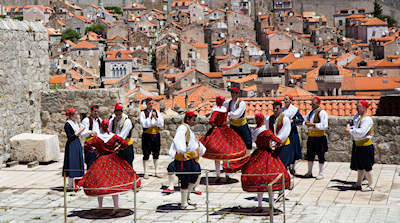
<point x="199" y="45"/>
<point x="57" y="79"/>
<point x="213" y="74"/>
<point x="305" y="63"/>
<point x="84" y="45"/>
<point x="243" y="79"/>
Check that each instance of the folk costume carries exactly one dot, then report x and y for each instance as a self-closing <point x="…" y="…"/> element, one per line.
<point x="296" y="119"/>
<point x="73" y="158"/>
<point x="237" y="119"/>
<point x="221" y="141"/>
<point x="151" y="136"/>
<point x="91" y="124"/>
<point x="123" y="128"/>
<point x="185" y="149"/>
<point x="262" y="166"/>
<point x="109" y="174"/>
<point x="362" y="158"/>
<point x="317" y="143"/>
<point x="281" y="128"/>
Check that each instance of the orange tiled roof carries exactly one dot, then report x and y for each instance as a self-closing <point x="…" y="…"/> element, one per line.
<point x="305" y="63"/>
<point x="243" y="79"/>
<point x="91" y="36"/>
<point x="333" y="105"/>
<point x="75" y="75"/>
<point x="222" y="57"/>
<point x="199" y="45"/>
<point x="233" y="66"/>
<point x="286" y="59"/>
<point x="119" y="55"/>
<point x="213" y="74"/>
<point x="256" y="64"/>
<point x="187" y="89"/>
<point x="355" y="16"/>
<point x="57" y="79"/>
<point x="372" y="22"/>
<point x="60" y="22"/>
<point x="53" y="32"/>
<point x="250" y="88"/>
<point x="84" y="45"/>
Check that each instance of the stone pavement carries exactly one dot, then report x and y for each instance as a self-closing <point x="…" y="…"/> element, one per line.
<point x="327" y="200"/>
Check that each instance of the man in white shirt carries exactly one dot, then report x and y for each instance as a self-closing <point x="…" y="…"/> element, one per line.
<point x="186" y="150"/>
<point x="237" y="117"/>
<point x="121" y="125"/>
<point x="316" y="122"/>
<point x="279" y="124"/>
<point x="92" y="128"/>
<point x="362" y="132"/>
<point x="151" y="121"/>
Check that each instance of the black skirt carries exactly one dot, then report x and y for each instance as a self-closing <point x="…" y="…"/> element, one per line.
<point x="362" y="158"/>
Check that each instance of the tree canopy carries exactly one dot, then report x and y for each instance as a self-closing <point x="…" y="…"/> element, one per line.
<point x="70" y="34"/>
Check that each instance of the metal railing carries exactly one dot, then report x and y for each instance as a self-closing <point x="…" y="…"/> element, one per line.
<point x="279" y="177"/>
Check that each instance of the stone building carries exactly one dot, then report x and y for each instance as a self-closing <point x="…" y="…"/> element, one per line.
<point x="79" y="23"/>
<point x="118" y="64"/>
<point x="328" y="80"/>
<point x="88" y="55"/>
<point x="38" y="14"/>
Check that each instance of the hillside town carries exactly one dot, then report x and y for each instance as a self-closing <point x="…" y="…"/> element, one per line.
<point x="182" y="53"/>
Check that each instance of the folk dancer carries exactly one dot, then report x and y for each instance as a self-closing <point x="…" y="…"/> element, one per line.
<point x="109" y="174"/>
<point x="151" y="121"/>
<point x="296" y="119"/>
<point x="262" y="166"/>
<point x="362" y="158"/>
<point x="236" y="114"/>
<point x="92" y="128"/>
<point x="73" y="158"/>
<point x="121" y="125"/>
<point x="222" y="142"/>
<point x="279" y="124"/>
<point x="316" y="122"/>
<point x="185" y="149"/>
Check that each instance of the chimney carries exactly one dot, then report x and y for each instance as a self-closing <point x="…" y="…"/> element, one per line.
<point x="315" y="64"/>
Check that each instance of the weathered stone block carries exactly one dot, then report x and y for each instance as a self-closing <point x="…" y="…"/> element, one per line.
<point x="27" y="147"/>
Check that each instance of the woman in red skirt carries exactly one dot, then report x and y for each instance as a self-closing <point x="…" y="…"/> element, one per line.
<point x="222" y="143"/>
<point x="109" y="174"/>
<point x="264" y="160"/>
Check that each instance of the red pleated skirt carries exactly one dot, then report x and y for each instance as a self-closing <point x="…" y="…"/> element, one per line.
<point x="109" y="174"/>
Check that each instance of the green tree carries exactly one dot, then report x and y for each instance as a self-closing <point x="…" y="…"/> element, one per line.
<point x="114" y="9"/>
<point x="20" y="18"/>
<point x="70" y="34"/>
<point x="98" y="28"/>
<point x="377" y="9"/>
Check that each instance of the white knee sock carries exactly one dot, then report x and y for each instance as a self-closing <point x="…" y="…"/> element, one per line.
<point x="369" y="177"/>
<point x="310" y="165"/>
<point x="321" y="168"/>
<point x="100" y="201"/>
<point x="171" y="181"/>
<point x="260" y="198"/>
<point x="218" y="168"/>
<point x="360" y="176"/>
<point x="70" y="182"/>
<point x="155" y="161"/>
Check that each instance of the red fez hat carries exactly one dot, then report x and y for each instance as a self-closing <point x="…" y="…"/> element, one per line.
<point x="220" y="100"/>
<point x="118" y="103"/>
<point x="70" y="112"/>
<point x="318" y="99"/>
<point x="189" y="114"/>
<point x="93" y="106"/>
<point x="235" y="89"/>
<point x="104" y="125"/>
<point x="364" y="103"/>
<point x="118" y="107"/>
<point x="259" y="119"/>
<point x="289" y="96"/>
<point x="278" y="101"/>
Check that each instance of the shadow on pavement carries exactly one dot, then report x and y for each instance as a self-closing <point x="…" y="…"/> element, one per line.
<point x="247" y="211"/>
<point x="215" y="181"/>
<point x="105" y="213"/>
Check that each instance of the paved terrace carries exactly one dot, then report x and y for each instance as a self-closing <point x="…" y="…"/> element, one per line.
<point x="327" y="200"/>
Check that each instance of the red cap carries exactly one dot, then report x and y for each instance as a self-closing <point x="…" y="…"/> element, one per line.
<point x="259" y="119"/>
<point x="104" y="125"/>
<point x="70" y="112"/>
<point x="92" y="106"/>
<point x="235" y="89"/>
<point x="289" y="96"/>
<point x="220" y="100"/>
<point x="318" y="99"/>
<point x="364" y="103"/>
<point x="189" y="114"/>
<point x="278" y="101"/>
<point x="118" y="107"/>
<point x="118" y="103"/>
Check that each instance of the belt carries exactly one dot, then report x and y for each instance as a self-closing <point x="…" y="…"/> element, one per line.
<point x="152" y="130"/>
<point x="238" y="122"/>
<point x="316" y="133"/>
<point x="88" y="139"/>
<point x="287" y="142"/>
<point x="129" y="141"/>
<point x="189" y="156"/>
<point x="364" y="142"/>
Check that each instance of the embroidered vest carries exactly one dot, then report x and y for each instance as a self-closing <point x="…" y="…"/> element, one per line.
<point x="189" y="155"/>
<point x="129" y="138"/>
<point x="279" y="124"/>
<point x="237" y="122"/>
<point x="367" y="141"/>
<point x="316" y="132"/>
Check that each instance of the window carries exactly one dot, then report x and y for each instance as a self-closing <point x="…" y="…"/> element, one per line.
<point x="240" y="70"/>
<point x="373" y="33"/>
<point x="65" y="62"/>
<point x="340" y="22"/>
<point x="79" y="53"/>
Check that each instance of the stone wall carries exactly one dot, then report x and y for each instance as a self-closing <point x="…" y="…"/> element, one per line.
<point x="24" y="72"/>
<point x="54" y="103"/>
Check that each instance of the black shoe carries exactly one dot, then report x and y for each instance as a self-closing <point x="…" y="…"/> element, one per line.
<point x="308" y="175"/>
<point x="357" y="187"/>
<point x="292" y="171"/>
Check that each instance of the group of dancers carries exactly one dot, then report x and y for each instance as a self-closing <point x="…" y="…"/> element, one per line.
<point x="108" y="150"/>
